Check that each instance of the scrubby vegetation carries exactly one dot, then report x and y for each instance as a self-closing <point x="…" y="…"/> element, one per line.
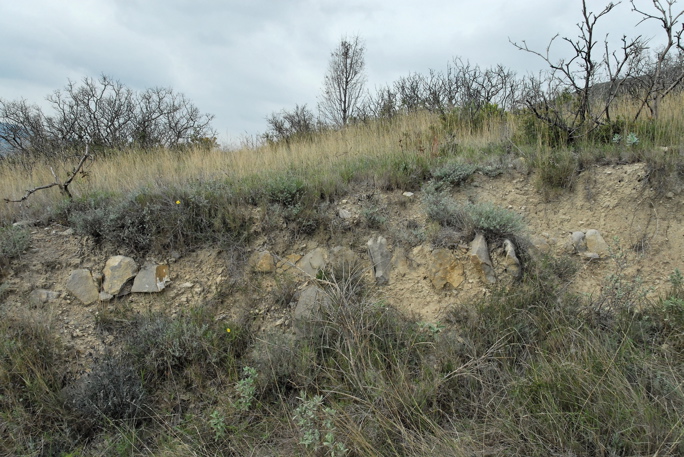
<point x="527" y="371"/>
<point x="532" y="370"/>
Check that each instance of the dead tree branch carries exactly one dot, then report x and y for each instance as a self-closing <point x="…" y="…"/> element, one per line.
<point x="63" y="186"/>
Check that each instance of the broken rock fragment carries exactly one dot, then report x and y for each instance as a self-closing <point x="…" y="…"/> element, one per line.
<point x="445" y="270"/>
<point x="82" y="286"/>
<point x="117" y="271"/>
<point x="152" y="278"/>
<point x="479" y="255"/>
<point x="381" y="259"/>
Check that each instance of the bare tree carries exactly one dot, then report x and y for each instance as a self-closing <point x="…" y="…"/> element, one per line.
<point x="663" y="74"/>
<point x="562" y="97"/>
<point x="286" y="125"/>
<point x="344" y="82"/>
<point x="104" y="114"/>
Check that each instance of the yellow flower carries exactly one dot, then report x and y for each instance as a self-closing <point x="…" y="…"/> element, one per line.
<point x="228" y="330"/>
<point x="177" y="202"/>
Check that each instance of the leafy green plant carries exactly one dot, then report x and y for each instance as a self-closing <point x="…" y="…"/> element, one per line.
<point x="245" y="388"/>
<point x="316" y="426"/>
<point x="285" y="189"/>
<point x="556" y="169"/>
<point x="217" y="422"/>
<point x="374" y="217"/>
<point x="495" y="222"/>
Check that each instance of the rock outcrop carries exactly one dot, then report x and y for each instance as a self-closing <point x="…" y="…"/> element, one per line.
<point x="445" y="270"/>
<point x="381" y="259"/>
<point x="479" y="255"/>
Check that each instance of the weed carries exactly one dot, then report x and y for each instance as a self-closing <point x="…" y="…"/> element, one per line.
<point x="285" y="189"/>
<point x="556" y="169"/>
<point x="374" y="217"/>
<point x="465" y="219"/>
<point x="111" y="391"/>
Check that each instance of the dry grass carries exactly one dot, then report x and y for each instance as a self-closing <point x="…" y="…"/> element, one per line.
<point x="322" y="157"/>
<point x="128" y="171"/>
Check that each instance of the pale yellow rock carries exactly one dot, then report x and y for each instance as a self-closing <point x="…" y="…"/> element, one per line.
<point x="262" y="262"/>
<point x="445" y="270"/>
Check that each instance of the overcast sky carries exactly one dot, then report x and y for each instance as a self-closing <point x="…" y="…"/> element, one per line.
<point x="244" y="59"/>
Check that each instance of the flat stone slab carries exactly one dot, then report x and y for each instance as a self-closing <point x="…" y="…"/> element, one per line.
<point x="82" y="286"/>
<point x="152" y="278"/>
<point x="117" y="271"/>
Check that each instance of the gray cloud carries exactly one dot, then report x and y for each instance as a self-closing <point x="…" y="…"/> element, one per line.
<point x="242" y="60"/>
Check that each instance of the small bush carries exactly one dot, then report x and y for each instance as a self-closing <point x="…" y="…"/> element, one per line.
<point x="452" y="173"/>
<point x="13" y="241"/>
<point x="111" y="391"/>
<point x="374" y="217"/>
<point x="493" y="221"/>
<point x="161" y="219"/>
<point x="285" y="189"/>
<point x="32" y="378"/>
<point x="193" y="346"/>
<point x="556" y="169"/>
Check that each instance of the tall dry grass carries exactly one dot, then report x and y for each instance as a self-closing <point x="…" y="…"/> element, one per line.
<point x="131" y="170"/>
<point x="417" y="134"/>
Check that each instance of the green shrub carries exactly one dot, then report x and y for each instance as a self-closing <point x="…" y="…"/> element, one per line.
<point x="32" y="379"/>
<point x="163" y="219"/>
<point x="113" y="390"/>
<point x="493" y="221"/>
<point x="452" y="173"/>
<point x="556" y="169"/>
<point x="194" y="347"/>
<point x="285" y="189"/>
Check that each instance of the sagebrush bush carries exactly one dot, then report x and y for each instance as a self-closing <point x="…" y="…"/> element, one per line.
<point x="162" y="219"/>
<point x="452" y="173"/>
<point x="494" y="222"/>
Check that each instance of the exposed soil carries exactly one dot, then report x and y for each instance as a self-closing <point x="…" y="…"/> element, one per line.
<point x="643" y="228"/>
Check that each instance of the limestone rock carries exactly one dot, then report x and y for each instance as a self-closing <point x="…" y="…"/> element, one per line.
<point x="578" y="241"/>
<point x="314" y="261"/>
<point x="541" y="243"/>
<point x="117" y="271"/>
<point x="82" y="286"/>
<point x="289" y="262"/>
<point x="380" y="258"/>
<point x="309" y="306"/>
<point x="479" y="255"/>
<point x="42" y="296"/>
<point x="105" y="297"/>
<point x="511" y="262"/>
<point x="152" y="278"/>
<point x="596" y="243"/>
<point x="445" y="270"/>
<point x="262" y="262"/>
